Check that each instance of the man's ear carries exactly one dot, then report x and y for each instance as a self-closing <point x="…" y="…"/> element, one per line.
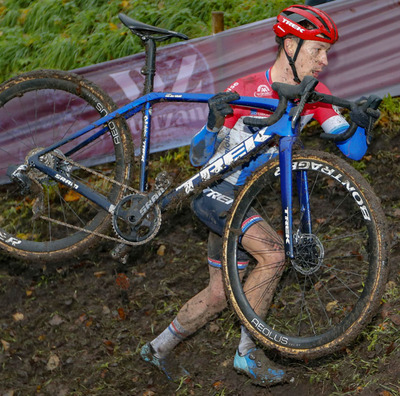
<point x="290" y="46"/>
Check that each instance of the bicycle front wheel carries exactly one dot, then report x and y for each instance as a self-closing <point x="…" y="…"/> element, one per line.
<point x="42" y="219"/>
<point x="333" y="285"/>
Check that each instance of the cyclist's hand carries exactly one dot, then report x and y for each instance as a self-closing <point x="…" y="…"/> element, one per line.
<point x="364" y="118"/>
<point x="219" y="108"/>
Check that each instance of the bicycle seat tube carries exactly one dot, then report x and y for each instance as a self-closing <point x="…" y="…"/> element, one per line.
<point x="148" y="71"/>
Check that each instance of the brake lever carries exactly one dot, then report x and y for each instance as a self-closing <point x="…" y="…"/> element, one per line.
<point x="310" y="84"/>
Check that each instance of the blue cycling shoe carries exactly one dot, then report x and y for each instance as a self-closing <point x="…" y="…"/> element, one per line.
<point x="258" y="367"/>
<point x="168" y="366"/>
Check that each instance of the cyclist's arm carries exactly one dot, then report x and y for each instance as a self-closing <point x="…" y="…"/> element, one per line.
<point x="333" y="122"/>
<point x="202" y="146"/>
<point x="354" y="147"/>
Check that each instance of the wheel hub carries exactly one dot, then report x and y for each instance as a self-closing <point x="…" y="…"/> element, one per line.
<point x="308" y="254"/>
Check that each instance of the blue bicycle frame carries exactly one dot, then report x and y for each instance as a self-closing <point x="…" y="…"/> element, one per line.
<point x="282" y="128"/>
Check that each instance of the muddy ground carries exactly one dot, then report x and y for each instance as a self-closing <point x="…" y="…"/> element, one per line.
<point x="76" y="328"/>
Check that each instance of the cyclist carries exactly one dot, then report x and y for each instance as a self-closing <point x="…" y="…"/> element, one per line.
<point x="304" y="35"/>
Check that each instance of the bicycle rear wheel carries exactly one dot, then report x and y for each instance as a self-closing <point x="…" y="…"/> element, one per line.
<point x="38" y="109"/>
<point x="334" y="284"/>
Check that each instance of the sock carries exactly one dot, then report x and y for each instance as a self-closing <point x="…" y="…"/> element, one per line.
<point x="246" y="342"/>
<point x="169" y="339"/>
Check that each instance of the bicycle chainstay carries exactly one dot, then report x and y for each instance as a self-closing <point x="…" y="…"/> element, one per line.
<point x="100" y="175"/>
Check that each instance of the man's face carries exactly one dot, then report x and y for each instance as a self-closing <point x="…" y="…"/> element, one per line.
<point x="312" y="58"/>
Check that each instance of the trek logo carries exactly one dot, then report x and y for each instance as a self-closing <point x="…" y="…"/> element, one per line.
<point x="218" y="196"/>
<point x="287" y="228"/>
<point x="225" y="161"/>
<point x="262" y="90"/>
<point x="293" y="25"/>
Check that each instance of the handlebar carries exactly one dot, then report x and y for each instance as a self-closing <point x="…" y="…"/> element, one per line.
<point x="305" y="92"/>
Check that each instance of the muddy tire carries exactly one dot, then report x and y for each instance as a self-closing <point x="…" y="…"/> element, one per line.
<point x="38" y="109"/>
<point x="333" y="287"/>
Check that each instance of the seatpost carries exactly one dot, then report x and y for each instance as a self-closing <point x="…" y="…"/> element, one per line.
<point x="149" y="70"/>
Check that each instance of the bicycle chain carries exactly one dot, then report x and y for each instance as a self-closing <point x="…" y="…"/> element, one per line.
<point x="114" y="239"/>
<point x="100" y="175"/>
<point x="94" y="172"/>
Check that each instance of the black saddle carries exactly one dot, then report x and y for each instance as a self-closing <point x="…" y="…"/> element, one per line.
<point x="146" y="32"/>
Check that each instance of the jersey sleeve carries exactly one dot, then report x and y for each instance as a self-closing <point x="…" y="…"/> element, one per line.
<point x="332" y="121"/>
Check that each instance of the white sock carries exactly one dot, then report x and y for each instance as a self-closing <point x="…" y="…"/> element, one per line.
<point x="169" y="339"/>
<point x="246" y="342"/>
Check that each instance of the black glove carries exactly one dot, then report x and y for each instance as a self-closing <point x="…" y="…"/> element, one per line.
<point x="364" y="116"/>
<point x="219" y="108"/>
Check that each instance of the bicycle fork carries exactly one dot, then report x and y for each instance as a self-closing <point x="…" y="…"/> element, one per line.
<point x="286" y="170"/>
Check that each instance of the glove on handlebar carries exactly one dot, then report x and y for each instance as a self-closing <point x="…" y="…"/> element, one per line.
<point x="219" y="108"/>
<point x="364" y="118"/>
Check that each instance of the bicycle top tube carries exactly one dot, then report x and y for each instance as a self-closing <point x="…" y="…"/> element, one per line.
<point x="136" y="106"/>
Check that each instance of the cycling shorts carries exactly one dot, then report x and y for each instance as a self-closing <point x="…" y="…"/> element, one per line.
<point x="212" y="207"/>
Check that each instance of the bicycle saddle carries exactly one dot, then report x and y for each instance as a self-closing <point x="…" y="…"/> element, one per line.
<point x="145" y="31"/>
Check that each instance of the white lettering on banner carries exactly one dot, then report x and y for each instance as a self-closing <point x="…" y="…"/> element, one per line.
<point x="132" y="91"/>
<point x="304" y="165"/>
<point x="125" y="82"/>
<point x="185" y="72"/>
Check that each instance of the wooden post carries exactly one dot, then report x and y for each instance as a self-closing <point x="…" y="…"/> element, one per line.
<point x="217" y="22"/>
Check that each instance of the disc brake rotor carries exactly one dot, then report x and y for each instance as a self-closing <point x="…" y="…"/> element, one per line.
<point x="308" y="254"/>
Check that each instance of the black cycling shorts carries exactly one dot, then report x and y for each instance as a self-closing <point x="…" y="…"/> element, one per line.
<point x="212" y="207"/>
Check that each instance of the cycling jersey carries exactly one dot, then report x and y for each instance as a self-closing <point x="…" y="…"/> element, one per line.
<point x="212" y="205"/>
<point x="207" y="146"/>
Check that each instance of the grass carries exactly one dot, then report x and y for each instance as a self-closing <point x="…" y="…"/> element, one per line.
<point x="68" y="34"/>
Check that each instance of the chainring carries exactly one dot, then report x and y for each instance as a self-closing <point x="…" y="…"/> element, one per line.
<point x="124" y="226"/>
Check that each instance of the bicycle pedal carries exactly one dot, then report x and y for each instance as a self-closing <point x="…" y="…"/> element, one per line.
<point x="121" y="253"/>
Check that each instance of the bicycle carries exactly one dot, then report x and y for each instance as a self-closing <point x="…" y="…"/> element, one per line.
<point x="58" y="200"/>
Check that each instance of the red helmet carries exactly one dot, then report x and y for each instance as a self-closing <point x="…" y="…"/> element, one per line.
<point x="324" y="29"/>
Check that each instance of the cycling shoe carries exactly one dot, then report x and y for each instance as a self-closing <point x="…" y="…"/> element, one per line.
<point x="168" y="366"/>
<point x="258" y="367"/>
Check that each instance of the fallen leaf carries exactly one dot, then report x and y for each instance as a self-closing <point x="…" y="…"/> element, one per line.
<point x="331" y="306"/>
<point x="56" y="320"/>
<point x="89" y="322"/>
<point x="53" y="363"/>
<point x="218" y="385"/>
<point x="18" y="316"/>
<point x="122" y="281"/>
<point x="121" y="313"/>
<point x="161" y="250"/>
<point x="6" y="345"/>
<point x="72" y="196"/>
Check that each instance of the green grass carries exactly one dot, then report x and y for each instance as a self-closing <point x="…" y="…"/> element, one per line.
<point x="68" y="34"/>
